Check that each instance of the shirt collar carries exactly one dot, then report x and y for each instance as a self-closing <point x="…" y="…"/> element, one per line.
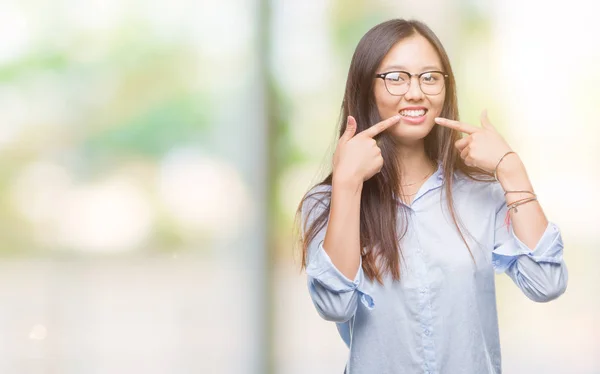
<point x="433" y="182"/>
<point x="436" y="180"/>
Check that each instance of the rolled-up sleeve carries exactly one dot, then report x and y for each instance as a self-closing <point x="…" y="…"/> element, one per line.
<point x="334" y="295"/>
<point x="539" y="272"/>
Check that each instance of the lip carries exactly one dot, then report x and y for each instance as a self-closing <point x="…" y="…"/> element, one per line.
<point x="413" y="120"/>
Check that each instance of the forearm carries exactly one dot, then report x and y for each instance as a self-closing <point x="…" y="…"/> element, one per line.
<point x="528" y="220"/>
<point x="342" y="239"/>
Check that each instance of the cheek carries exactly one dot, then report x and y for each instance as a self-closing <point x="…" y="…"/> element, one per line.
<point x="437" y="104"/>
<point x="386" y="103"/>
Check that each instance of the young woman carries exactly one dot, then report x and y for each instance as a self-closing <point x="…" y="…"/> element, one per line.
<point x="401" y="240"/>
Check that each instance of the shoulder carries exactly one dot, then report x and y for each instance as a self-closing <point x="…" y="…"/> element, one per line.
<point x="319" y="189"/>
<point x="314" y="203"/>
<point x="319" y="195"/>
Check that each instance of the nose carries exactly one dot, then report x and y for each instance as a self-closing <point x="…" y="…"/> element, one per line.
<point x="414" y="92"/>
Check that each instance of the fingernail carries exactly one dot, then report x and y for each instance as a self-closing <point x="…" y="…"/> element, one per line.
<point x="438" y="119"/>
<point x="397" y="117"/>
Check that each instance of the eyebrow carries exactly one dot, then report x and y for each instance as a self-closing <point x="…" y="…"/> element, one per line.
<point x="400" y="67"/>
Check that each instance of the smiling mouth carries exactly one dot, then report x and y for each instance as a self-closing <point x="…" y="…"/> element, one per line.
<point x="413" y="113"/>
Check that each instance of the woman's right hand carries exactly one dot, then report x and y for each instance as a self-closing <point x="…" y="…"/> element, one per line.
<point x="358" y="158"/>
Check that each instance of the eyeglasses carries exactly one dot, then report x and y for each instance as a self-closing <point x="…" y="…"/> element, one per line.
<point x="398" y="82"/>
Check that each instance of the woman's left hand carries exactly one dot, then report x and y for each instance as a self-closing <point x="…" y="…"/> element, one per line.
<point x="482" y="147"/>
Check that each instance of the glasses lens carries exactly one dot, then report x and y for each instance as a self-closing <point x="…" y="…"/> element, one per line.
<point x="432" y="83"/>
<point x="397" y="83"/>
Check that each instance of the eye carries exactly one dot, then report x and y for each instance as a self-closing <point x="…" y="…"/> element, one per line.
<point x="394" y="77"/>
<point x="431" y="77"/>
<point x="397" y="77"/>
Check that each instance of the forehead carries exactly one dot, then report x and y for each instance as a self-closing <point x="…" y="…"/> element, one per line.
<point x="414" y="54"/>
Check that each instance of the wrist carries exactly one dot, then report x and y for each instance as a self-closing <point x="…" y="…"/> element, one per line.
<point x="510" y="165"/>
<point x="347" y="182"/>
<point x="512" y="175"/>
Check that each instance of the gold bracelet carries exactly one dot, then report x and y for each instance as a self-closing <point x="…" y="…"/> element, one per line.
<point x="498" y="164"/>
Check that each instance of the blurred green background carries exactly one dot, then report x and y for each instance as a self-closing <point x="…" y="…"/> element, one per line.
<point x="152" y="155"/>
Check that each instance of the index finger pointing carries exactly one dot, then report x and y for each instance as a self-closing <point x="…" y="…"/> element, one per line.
<point x="456" y="125"/>
<point x="381" y="126"/>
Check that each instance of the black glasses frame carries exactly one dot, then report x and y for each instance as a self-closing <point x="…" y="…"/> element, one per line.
<point x="384" y="75"/>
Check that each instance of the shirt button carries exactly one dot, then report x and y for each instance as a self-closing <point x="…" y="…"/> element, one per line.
<point x="427" y="332"/>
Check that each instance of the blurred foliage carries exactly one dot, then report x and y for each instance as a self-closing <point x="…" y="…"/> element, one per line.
<point x="154" y="131"/>
<point x="130" y="97"/>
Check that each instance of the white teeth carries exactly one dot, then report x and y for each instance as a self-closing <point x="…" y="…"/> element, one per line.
<point x="413" y="113"/>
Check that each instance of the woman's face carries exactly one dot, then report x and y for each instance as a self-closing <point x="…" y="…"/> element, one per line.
<point x="414" y="55"/>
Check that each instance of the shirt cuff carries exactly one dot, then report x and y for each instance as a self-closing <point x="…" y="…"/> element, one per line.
<point x="548" y="249"/>
<point x="321" y="269"/>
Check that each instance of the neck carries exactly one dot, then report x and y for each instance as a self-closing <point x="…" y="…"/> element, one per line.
<point x="414" y="163"/>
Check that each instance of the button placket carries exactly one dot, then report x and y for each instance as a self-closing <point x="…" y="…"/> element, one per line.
<point x="424" y="297"/>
